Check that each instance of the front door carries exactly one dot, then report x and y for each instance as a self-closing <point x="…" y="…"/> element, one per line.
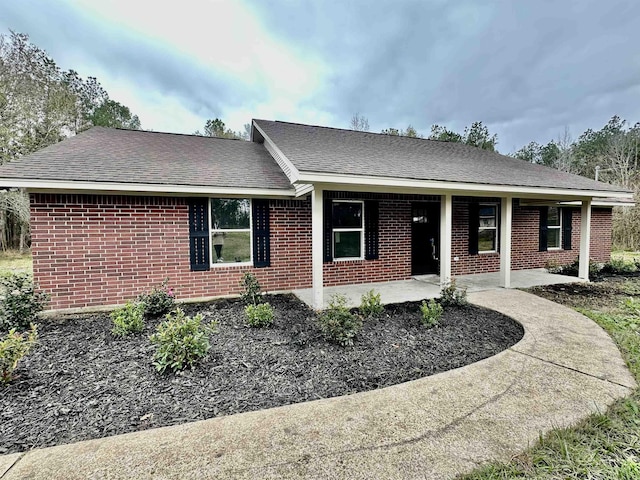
<point x="425" y="238"/>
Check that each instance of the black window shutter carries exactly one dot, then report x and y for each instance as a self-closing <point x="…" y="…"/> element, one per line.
<point x="327" y="253"/>
<point x="371" y="230"/>
<point x="474" y="225"/>
<point x="199" y="233"/>
<point x="261" y="245"/>
<point x="544" y="213"/>
<point x="567" y="216"/>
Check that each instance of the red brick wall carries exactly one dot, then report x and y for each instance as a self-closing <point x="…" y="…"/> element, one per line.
<point x="524" y="241"/>
<point x="103" y="250"/>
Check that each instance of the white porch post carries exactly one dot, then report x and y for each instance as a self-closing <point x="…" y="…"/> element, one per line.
<point x="585" y="239"/>
<point x="446" y="212"/>
<point x="506" y="215"/>
<point x="316" y="247"/>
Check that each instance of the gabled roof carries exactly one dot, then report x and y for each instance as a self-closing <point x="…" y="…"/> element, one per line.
<point x="130" y="157"/>
<point x="323" y="150"/>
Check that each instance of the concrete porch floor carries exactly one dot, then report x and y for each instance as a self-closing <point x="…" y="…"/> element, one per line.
<point x="428" y="286"/>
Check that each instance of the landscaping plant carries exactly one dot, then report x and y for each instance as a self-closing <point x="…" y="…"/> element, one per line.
<point x="251" y="292"/>
<point x="128" y="320"/>
<point x="371" y="305"/>
<point x="181" y="341"/>
<point x="337" y="323"/>
<point x="260" y="315"/>
<point x="452" y="296"/>
<point x="13" y="347"/>
<point x="431" y="313"/>
<point x="159" y="301"/>
<point x="20" y="303"/>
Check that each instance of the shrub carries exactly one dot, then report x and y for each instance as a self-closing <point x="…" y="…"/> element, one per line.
<point x="553" y="266"/>
<point x="260" y="315"/>
<point x="181" y="341"/>
<point x="370" y="304"/>
<point x="452" y="296"/>
<point x="572" y="269"/>
<point x="13" y="347"/>
<point x="337" y="323"/>
<point x="128" y="319"/>
<point x="620" y="265"/>
<point x="19" y="301"/>
<point x="431" y="313"/>
<point x="159" y="301"/>
<point x="251" y="293"/>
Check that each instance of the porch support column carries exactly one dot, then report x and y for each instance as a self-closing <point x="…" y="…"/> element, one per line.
<point x="446" y="224"/>
<point x="316" y="247"/>
<point x="506" y="216"/>
<point x="585" y="239"/>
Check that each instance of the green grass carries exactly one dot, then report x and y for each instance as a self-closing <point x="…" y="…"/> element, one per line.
<point x="625" y="255"/>
<point x="13" y="261"/>
<point x="603" y="446"/>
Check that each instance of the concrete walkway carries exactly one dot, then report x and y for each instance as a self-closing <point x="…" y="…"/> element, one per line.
<point x="428" y="286"/>
<point x="563" y="369"/>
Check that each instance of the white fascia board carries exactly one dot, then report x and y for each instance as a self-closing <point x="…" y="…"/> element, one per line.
<point x="34" y="185"/>
<point x="294" y="174"/>
<point x="595" y="203"/>
<point x="404" y="185"/>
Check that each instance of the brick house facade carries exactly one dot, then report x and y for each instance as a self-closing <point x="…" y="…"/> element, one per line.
<point x="91" y="250"/>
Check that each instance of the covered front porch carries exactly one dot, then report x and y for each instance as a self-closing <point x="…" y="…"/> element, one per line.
<point x="428" y="286"/>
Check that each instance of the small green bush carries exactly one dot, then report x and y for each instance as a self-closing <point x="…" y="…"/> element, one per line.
<point x="337" y="323"/>
<point x="260" y="315"/>
<point x="251" y="292"/>
<point x="128" y="320"/>
<point x="572" y="269"/>
<point x="453" y="296"/>
<point x="13" y="347"/>
<point x="620" y="265"/>
<point x="19" y="301"/>
<point x="159" y="301"/>
<point x="370" y="304"/>
<point x="181" y="341"/>
<point x="431" y="313"/>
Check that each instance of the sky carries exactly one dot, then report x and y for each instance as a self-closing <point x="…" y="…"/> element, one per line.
<point x="528" y="69"/>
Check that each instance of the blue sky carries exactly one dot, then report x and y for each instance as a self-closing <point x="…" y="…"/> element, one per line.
<point x="527" y="69"/>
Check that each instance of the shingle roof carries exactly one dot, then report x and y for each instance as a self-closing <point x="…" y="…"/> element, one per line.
<point x="129" y="156"/>
<point x="330" y="150"/>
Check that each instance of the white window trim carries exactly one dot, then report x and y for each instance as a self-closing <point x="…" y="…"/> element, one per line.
<point x="230" y="230"/>
<point x="555" y="227"/>
<point x="495" y="250"/>
<point x="349" y="229"/>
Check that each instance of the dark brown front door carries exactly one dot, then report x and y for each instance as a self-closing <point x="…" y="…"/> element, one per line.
<point x="425" y="238"/>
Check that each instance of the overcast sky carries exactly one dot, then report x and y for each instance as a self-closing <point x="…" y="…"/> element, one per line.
<point x="527" y="69"/>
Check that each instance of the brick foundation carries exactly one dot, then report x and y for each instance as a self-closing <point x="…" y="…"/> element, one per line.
<point x="91" y="250"/>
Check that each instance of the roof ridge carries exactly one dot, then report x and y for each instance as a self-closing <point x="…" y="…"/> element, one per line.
<point x="163" y="133"/>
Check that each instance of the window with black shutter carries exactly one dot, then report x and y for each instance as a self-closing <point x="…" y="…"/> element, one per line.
<point x="350" y="229"/>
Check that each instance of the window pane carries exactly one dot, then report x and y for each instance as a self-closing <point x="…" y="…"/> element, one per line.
<point x="346" y="244"/>
<point x="486" y="240"/>
<point x="230" y="213"/>
<point x="231" y="247"/>
<point x="553" y="218"/>
<point x="487" y="221"/>
<point x="487" y="211"/>
<point x="347" y="214"/>
<point x="553" y="238"/>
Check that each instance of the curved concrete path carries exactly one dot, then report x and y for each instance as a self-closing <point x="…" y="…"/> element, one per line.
<point x="563" y="369"/>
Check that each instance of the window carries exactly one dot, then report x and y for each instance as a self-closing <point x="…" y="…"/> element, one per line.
<point x="487" y="228"/>
<point x="348" y="228"/>
<point x="554" y="228"/>
<point x="230" y="230"/>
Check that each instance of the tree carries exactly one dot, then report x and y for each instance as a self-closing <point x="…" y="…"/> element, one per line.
<point x="443" y="134"/>
<point x="476" y="135"/>
<point x="114" y="115"/>
<point x="359" y="123"/>
<point x="217" y="128"/>
<point x="409" y="132"/>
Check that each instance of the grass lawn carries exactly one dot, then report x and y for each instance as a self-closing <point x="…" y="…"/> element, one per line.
<point x="606" y="445"/>
<point x="625" y="255"/>
<point x="13" y="261"/>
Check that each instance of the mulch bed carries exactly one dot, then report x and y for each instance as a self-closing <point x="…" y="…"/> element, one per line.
<point x="81" y="382"/>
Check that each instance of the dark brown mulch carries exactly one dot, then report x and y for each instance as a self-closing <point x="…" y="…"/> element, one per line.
<point x="82" y="383"/>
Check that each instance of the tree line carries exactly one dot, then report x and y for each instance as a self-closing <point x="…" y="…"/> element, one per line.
<point x="40" y="104"/>
<point x="610" y="154"/>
